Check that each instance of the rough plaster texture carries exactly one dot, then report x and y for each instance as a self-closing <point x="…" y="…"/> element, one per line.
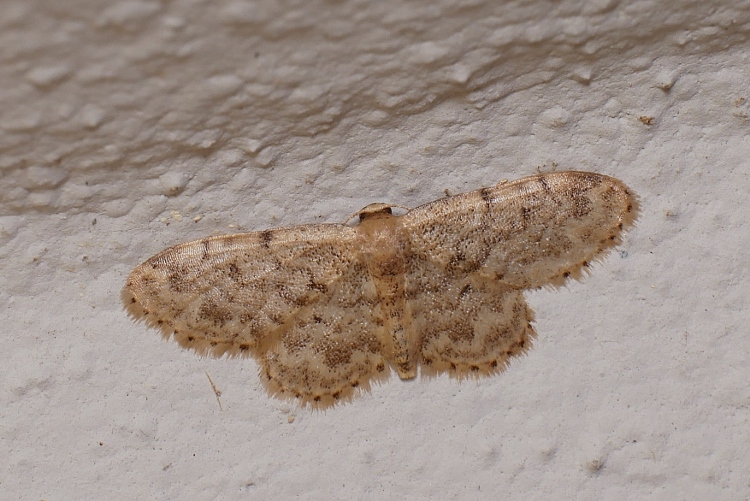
<point x="130" y="126"/>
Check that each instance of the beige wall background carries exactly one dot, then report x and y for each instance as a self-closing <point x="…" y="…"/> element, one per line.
<point x="129" y="126"/>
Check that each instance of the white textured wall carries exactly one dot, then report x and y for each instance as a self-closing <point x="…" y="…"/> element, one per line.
<point x="121" y="123"/>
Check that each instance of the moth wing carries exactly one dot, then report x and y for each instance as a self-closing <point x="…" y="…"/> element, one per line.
<point x="468" y="325"/>
<point x="529" y="233"/>
<point x="235" y="293"/>
<point x="333" y="347"/>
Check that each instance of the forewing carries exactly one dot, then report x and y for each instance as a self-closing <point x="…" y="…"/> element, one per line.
<point x="529" y="233"/>
<point x="234" y="293"/>
<point x="332" y="347"/>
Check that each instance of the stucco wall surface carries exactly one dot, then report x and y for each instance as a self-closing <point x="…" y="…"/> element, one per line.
<point x="129" y="126"/>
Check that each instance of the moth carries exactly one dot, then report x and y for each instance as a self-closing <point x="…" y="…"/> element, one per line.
<point x="327" y="309"/>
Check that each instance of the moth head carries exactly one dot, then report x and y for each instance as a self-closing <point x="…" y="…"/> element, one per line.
<point x="375" y="210"/>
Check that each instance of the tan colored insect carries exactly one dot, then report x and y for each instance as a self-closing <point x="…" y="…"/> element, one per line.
<point x="328" y="308"/>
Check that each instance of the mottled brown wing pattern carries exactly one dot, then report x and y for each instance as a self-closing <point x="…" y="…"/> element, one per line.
<point x="333" y="347"/>
<point x="474" y="254"/>
<point x="529" y="233"/>
<point x="467" y="325"/>
<point x="233" y="294"/>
